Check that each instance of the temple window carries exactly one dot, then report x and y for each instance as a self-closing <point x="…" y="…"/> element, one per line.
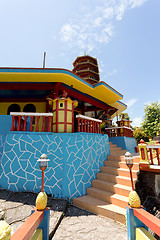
<point x="13" y="108"/>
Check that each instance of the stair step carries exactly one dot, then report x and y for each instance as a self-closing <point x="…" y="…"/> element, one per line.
<point x="117" y="152"/>
<point x="118" y="171"/>
<point x="114" y="147"/>
<point x="109" y="197"/>
<point x="112" y="187"/>
<point x="115" y="179"/>
<point x="100" y="207"/>
<point x="117" y="164"/>
<point x="121" y="158"/>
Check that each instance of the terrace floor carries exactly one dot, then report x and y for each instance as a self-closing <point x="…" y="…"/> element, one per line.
<point x="66" y="221"/>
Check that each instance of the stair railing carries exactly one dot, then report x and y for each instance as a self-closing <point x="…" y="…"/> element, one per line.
<point x="138" y="222"/>
<point x="35" y="227"/>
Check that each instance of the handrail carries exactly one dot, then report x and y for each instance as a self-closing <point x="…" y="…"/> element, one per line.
<point x="88" y="124"/>
<point x="138" y="222"/>
<point x="28" y="228"/>
<point x="19" y="121"/>
<point x="148" y="219"/>
<point x="89" y="118"/>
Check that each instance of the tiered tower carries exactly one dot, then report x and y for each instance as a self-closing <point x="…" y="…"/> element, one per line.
<point x="87" y="68"/>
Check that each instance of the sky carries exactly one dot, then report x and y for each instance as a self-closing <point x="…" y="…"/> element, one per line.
<point x="124" y="36"/>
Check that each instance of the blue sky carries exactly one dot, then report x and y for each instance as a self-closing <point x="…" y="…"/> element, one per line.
<point x="124" y="35"/>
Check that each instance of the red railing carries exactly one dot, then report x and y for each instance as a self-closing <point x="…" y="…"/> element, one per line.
<point x="88" y="124"/>
<point x="149" y="157"/>
<point x="148" y="219"/>
<point x="38" y="122"/>
<point x="119" y="131"/>
<point x="154" y="153"/>
<point x="138" y="222"/>
<point x="29" y="227"/>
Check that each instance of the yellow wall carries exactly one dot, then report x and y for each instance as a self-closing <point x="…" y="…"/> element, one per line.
<point x="40" y="106"/>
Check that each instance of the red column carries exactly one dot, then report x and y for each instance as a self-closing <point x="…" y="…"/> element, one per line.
<point x="78" y="128"/>
<point x="19" y="123"/>
<point x="85" y="125"/>
<point x="25" y="122"/>
<point x="31" y="124"/>
<point x="37" y="124"/>
<point x="43" y="123"/>
<point x="65" y="116"/>
<point x="50" y="124"/>
<point x="12" y="126"/>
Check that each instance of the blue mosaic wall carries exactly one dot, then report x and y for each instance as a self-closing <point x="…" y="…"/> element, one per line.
<point x="75" y="158"/>
<point x="126" y="143"/>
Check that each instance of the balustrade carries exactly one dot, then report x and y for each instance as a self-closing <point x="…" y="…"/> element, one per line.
<point x="88" y="124"/>
<point x="38" y="122"/>
<point x="119" y="131"/>
<point x="149" y="154"/>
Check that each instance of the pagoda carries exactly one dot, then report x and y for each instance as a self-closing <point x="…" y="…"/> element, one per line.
<point x="87" y="68"/>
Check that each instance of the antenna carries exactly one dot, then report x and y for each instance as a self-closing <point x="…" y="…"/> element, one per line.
<point x="44" y="59"/>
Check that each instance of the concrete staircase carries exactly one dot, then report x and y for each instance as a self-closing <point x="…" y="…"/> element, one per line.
<point x="108" y="195"/>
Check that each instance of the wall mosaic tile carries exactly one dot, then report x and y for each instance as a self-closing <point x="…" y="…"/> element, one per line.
<point x="75" y="158"/>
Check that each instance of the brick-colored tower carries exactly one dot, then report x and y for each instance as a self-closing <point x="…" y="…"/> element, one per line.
<point x="87" y="68"/>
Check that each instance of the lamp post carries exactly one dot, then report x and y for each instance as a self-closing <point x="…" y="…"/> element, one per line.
<point x="129" y="162"/>
<point x="43" y="163"/>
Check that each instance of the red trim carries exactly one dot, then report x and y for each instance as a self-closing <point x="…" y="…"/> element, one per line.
<point x="28" y="228"/>
<point x="22" y="100"/>
<point x="65" y="116"/>
<point x="148" y="219"/>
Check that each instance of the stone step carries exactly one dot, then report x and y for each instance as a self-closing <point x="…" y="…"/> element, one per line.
<point x="115" y="179"/>
<point x="121" y="158"/>
<point x="112" y="187"/>
<point x="118" y="171"/>
<point x="100" y="207"/>
<point x="109" y="197"/>
<point x="117" y="152"/>
<point x="117" y="164"/>
<point x="114" y="147"/>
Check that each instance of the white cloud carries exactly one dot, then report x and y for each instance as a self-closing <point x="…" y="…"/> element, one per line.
<point x="96" y="25"/>
<point x="136" y="3"/>
<point x="136" y="122"/>
<point x="131" y="102"/>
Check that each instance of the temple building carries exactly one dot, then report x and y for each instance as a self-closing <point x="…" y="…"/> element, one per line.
<point x="28" y="90"/>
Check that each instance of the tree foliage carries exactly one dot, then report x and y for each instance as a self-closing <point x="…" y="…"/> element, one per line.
<point x="139" y="134"/>
<point x="126" y="116"/>
<point x="151" y="123"/>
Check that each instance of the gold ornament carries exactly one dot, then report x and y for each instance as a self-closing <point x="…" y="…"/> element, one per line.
<point x="134" y="200"/>
<point x="41" y="201"/>
<point x="5" y="231"/>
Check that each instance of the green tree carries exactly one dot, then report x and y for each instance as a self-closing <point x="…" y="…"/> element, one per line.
<point x="151" y="123"/>
<point x="139" y="134"/>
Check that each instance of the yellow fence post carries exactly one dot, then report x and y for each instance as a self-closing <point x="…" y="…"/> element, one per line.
<point x="143" y="152"/>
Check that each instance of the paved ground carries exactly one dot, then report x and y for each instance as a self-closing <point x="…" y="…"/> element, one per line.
<point x="66" y="221"/>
